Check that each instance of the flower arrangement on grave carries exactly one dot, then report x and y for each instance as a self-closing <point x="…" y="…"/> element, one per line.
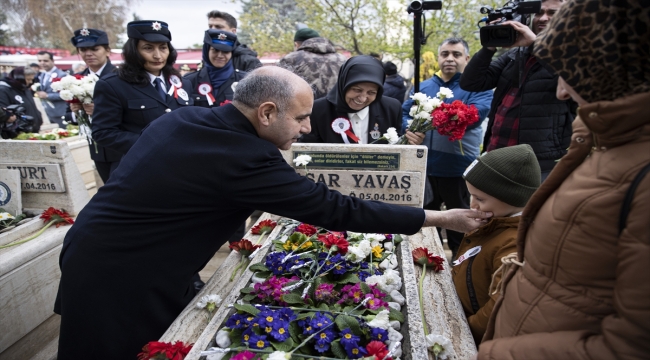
<point x="78" y="89"/>
<point x="318" y="294"/>
<point x="433" y="113"/>
<point x="156" y="350"/>
<point x="437" y="344"/>
<point x="51" y="216"/>
<point x="54" y="134"/>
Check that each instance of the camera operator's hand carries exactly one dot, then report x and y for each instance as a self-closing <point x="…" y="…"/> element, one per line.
<point x="526" y="35"/>
<point x="75" y="107"/>
<point x="414" y="138"/>
<point x="89" y="108"/>
<point x="41" y="94"/>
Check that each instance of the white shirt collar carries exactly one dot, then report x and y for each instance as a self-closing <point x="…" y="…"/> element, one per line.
<point x="360" y="126"/>
<point x="99" y="72"/>
<point x="153" y="78"/>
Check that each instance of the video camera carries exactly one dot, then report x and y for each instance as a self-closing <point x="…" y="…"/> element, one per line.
<point x="495" y="35"/>
<point x="24" y="123"/>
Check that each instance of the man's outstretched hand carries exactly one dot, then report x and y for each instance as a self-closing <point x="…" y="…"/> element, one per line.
<point x="461" y="220"/>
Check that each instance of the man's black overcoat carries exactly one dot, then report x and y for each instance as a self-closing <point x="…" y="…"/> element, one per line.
<point x="190" y="180"/>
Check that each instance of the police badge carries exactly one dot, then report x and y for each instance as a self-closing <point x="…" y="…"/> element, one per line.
<point x="375" y="134"/>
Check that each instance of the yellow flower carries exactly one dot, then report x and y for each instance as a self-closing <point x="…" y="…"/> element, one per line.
<point x="377" y="250"/>
<point x="288" y="245"/>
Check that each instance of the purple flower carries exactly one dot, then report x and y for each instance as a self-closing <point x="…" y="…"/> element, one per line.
<point x="379" y="334"/>
<point x="348" y="338"/>
<point x="258" y="341"/>
<point x="325" y="293"/>
<point x="355" y="351"/>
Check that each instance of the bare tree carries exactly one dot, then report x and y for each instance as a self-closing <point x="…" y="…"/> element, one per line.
<point x="51" y="23"/>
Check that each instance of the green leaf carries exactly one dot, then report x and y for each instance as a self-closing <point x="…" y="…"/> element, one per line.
<point x="294" y="331"/>
<point x="365" y="288"/>
<point x="283" y="346"/>
<point x="345" y="321"/>
<point x="304" y="315"/>
<point x="247" y="308"/>
<point x="395" y="315"/>
<point x="249" y="297"/>
<point x="338" y="349"/>
<point x="348" y="278"/>
<point x="247" y="290"/>
<point x="292" y="299"/>
<point x="235" y="335"/>
<point x="263" y="274"/>
<point x="397" y="238"/>
<point x="258" y="267"/>
<point x="298" y="238"/>
<point x="323" y="306"/>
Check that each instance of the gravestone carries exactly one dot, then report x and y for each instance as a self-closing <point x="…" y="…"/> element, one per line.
<point x="10" y="194"/>
<point x="48" y="175"/>
<point x="394" y="174"/>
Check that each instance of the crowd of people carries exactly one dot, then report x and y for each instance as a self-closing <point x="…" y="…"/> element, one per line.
<point x="547" y="210"/>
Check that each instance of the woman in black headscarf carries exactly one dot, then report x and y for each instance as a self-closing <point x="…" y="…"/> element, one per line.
<point x="355" y="111"/>
<point x="14" y="90"/>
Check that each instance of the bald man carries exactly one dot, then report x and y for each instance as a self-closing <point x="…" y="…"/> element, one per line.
<point x="191" y="178"/>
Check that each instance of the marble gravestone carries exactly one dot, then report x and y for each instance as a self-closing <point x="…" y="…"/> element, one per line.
<point x="48" y="175"/>
<point x="10" y="194"/>
<point x="394" y="174"/>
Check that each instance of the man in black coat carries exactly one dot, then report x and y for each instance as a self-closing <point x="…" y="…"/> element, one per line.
<point x="188" y="182"/>
<point x="525" y="109"/>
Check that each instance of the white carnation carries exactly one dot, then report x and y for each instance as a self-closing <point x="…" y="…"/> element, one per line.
<point x="365" y="247"/>
<point x="355" y="254"/>
<point x="302" y="160"/>
<point x="445" y="93"/>
<point x="89" y="88"/>
<point x="423" y="115"/>
<point x="66" y="95"/>
<point x="444" y="346"/>
<point x="409" y="122"/>
<point x="78" y="91"/>
<point x="413" y="111"/>
<point x="56" y="86"/>
<point x="392" y="281"/>
<point x="419" y="97"/>
<point x="434" y="102"/>
<point x="380" y="321"/>
<point x="89" y="79"/>
<point x="375" y="280"/>
<point x="375" y="239"/>
<point x="391" y="135"/>
<point x="87" y="100"/>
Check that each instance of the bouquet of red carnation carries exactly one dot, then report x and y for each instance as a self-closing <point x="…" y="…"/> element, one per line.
<point x="157" y="350"/>
<point x="452" y="120"/>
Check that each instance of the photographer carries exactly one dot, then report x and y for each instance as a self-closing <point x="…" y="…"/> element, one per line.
<point x="524" y="109"/>
<point x="14" y="90"/>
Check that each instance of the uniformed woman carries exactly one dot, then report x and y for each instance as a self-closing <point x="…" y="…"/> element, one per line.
<point x="215" y="83"/>
<point x="93" y="47"/>
<point x="355" y="111"/>
<point x="145" y="87"/>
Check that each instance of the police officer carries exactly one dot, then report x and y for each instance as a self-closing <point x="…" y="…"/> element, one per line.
<point x="92" y="46"/>
<point x="215" y="82"/>
<point x="145" y="87"/>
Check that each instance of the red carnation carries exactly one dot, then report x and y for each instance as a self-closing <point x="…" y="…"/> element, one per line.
<point x="378" y="350"/>
<point x="176" y="351"/>
<point x="244" y="247"/>
<point x="335" y="239"/>
<point x="57" y="216"/>
<point x="452" y="119"/>
<point x="264" y="227"/>
<point x="306" y="229"/>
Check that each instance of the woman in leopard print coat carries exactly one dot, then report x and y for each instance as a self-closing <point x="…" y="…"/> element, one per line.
<point x="583" y="290"/>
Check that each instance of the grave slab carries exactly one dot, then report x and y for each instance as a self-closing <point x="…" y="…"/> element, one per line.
<point x="10" y="194"/>
<point x="393" y="174"/>
<point x="48" y="173"/>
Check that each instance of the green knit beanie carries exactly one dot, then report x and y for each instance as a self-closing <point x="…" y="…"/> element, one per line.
<point x="305" y="34"/>
<point x="510" y="174"/>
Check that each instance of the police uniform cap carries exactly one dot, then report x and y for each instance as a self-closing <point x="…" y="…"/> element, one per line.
<point x="220" y="39"/>
<point x="149" y="30"/>
<point x="88" y="38"/>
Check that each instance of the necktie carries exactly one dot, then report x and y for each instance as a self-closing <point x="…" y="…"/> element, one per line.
<point x="161" y="91"/>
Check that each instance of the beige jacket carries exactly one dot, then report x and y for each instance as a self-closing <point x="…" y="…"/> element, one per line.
<point x="584" y="291"/>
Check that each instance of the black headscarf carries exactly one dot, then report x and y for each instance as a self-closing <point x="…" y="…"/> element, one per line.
<point x="16" y="79"/>
<point x="356" y="70"/>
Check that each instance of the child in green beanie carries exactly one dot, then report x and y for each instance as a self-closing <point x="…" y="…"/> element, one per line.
<point x="501" y="181"/>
